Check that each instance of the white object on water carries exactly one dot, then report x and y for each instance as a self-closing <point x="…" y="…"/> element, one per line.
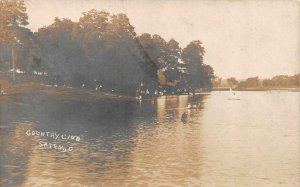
<point x="232" y="95"/>
<point x="193" y="106"/>
<point x="19" y="71"/>
<point x="139" y="97"/>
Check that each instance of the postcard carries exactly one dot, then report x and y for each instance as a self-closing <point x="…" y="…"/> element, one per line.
<point x="144" y="93"/>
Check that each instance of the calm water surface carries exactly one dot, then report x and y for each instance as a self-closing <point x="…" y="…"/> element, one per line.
<point x="249" y="142"/>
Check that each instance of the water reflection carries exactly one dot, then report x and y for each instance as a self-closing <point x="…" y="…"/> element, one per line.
<point x="146" y="144"/>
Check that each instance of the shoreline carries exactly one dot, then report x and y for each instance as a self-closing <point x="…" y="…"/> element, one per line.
<point x="26" y="91"/>
<point x="258" y="89"/>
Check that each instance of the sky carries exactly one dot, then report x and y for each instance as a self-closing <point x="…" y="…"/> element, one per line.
<point x="242" y="38"/>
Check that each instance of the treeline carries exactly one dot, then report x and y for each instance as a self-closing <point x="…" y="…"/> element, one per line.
<point x="278" y="81"/>
<point x="282" y="81"/>
<point x="100" y="49"/>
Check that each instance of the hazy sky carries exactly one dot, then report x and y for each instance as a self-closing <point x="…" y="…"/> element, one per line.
<point x="242" y="38"/>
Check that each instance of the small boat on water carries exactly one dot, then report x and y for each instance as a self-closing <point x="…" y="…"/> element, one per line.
<point x="232" y="95"/>
<point x="184" y="117"/>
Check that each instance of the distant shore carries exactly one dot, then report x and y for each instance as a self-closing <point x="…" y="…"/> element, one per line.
<point x="258" y="89"/>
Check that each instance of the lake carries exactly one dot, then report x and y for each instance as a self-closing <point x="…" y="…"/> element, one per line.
<point x="249" y="142"/>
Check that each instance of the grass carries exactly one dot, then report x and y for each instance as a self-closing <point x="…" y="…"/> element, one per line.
<point x="30" y="89"/>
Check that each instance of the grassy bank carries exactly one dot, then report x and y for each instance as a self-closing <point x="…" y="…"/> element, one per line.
<point x="28" y="90"/>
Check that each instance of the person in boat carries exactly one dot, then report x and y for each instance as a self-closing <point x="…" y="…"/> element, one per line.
<point x="184" y="117"/>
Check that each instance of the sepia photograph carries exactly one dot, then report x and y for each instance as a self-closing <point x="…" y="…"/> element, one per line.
<point x="149" y="93"/>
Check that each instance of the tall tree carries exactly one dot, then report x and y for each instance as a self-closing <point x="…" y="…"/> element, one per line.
<point x="207" y="77"/>
<point x="90" y="30"/>
<point x="192" y="56"/>
<point x="13" y="16"/>
<point x="13" y="19"/>
<point x="172" y="61"/>
<point x="62" y="56"/>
